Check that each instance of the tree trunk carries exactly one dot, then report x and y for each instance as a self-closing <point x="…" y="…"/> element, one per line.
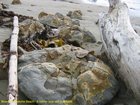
<point x="13" y="81"/>
<point x="122" y="44"/>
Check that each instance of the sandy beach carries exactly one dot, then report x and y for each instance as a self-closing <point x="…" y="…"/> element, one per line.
<point x="34" y="7"/>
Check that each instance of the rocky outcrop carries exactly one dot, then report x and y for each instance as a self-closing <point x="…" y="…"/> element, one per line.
<point x="66" y="73"/>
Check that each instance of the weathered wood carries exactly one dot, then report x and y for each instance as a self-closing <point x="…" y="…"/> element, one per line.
<point x="122" y="44"/>
<point x="13" y="81"/>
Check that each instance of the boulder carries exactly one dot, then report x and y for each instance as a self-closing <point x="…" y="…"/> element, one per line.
<point x="65" y="73"/>
<point x="38" y="82"/>
<point x="76" y="36"/>
<point x="29" y="28"/>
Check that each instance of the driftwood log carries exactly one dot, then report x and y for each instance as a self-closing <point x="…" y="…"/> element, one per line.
<point x="13" y="81"/>
<point x="122" y="44"/>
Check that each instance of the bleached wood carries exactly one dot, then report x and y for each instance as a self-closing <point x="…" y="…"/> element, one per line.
<point x="122" y="44"/>
<point x="13" y="81"/>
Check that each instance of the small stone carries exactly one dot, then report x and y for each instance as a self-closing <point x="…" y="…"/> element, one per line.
<point x="16" y="2"/>
<point x="3" y="6"/>
<point x="90" y="57"/>
<point x="77" y="14"/>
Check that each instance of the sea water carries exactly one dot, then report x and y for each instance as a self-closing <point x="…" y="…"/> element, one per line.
<point x="134" y="5"/>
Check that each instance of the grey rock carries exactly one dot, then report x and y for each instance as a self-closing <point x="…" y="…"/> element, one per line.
<point x="36" y="82"/>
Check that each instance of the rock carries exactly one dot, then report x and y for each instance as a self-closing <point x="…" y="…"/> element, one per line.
<point x="77" y="14"/>
<point x="51" y="20"/>
<point x="67" y="21"/>
<point x="59" y="15"/>
<point x="94" y="84"/>
<point x="76" y="22"/>
<point x="88" y="37"/>
<point x="42" y="14"/>
<point x="64" y="73"/>
<point x="28" y="28"/>
<point x="4" y="6"/>
<point x="64" y="31"/>
<point x="76" y="28"/>
<point x="16" y="2"/>
<point x="76" y="38"/>
<point x="37" y="77"/>
<point x="89" y="42"/>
